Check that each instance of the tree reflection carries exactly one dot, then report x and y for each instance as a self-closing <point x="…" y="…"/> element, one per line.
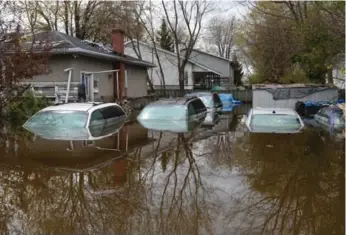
<point x="183" y="206"/>
<point x="94" y="201"/>
<point x="301" y="183"/>
<point x="180" y="184"/>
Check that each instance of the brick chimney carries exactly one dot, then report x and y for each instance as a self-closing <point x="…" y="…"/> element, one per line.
<point x="118" y="40"/>
<point x="118" y="47"/>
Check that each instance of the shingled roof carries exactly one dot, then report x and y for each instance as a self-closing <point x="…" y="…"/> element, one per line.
<point x="65" y="44"/>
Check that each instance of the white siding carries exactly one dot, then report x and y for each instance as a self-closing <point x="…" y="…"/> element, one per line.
<point x="168" y="63"/>
<point x="220" y="65"/>
<point x="136" y="81"/>
<point x="264" y="99"/>
<point x="198" y="69"/>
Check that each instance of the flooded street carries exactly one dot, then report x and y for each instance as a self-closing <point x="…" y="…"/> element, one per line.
<point x="212" y="180"/>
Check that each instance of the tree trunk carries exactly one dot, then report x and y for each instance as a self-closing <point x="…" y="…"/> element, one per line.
<point x="330" y="76"/>
<point x="181" y="81"/>
<point x="77" y="20"/>
<point x="150" y="83"/>
<point x="66" y="16"/>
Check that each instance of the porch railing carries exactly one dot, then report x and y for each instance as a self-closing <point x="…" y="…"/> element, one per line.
<point x="54" y="91"/>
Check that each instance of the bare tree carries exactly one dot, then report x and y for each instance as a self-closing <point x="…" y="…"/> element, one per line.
<point x="222" y="34"/>
<point x="39" y="14"/>
<point x="134" y="24"/>
<point x="146" y="19"/>
<point x="32" y="56"/>
<point x="189" y="15"/>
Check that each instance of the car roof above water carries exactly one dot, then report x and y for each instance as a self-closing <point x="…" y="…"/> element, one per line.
<point x="86" y="107"/>
<point x="285" y="111"/>
<point x="199" y="94"/>
<point x="172" y="101"/>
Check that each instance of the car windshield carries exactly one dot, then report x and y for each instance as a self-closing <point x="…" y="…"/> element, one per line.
<point x="207" y="100"/>
<point x="58" y="119"/>
<point x="338" y="117"/>
<point x="275" y="123"/>
<point x="164" y="112"/>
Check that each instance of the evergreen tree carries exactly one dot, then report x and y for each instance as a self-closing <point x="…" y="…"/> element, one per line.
<point x="164" y="37"/>
<point x="238" y="71"/>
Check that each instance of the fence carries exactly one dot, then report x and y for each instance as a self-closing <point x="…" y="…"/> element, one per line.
<point x="243" y="95"/>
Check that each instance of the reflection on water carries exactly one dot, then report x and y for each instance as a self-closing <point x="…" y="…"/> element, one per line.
<point x="220" y="181"/>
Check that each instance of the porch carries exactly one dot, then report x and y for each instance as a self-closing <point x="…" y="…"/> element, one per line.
<point x="208" y="80"/>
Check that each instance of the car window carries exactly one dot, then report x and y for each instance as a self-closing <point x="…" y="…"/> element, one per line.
<point x="207" y="101"/>
<point x="97" y="118"/>
<point x="217" y="100"/>
<point x="163" y="112"/>
<point x="338" y="117"/>
<point x="191" y="109"/>
<point x="198" y="105"/>
<point x="58" y="119"/>
<point x="112" y="112"/>
<point x="324" y="112"/>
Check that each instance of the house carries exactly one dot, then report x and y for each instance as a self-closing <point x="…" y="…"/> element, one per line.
<point x="112" y="74"/>
<point x="222" y="65"/>
<point x="202" y="70"/>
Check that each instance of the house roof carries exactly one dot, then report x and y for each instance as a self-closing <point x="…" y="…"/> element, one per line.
<point x="174" y="54"/>
<point x="66" y="44"/>
<point x="206" y="53"/>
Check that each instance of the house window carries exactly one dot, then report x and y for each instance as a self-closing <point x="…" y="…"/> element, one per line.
<point x="186" y="78"/>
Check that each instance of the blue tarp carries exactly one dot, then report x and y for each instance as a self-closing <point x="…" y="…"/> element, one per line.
<point x="320" y="103"/>
<point x="227" y="99"/>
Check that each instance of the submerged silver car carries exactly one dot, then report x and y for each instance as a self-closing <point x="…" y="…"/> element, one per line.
<point x="77" y="121"/>
<point x="173" y="115"/>
<point x="331" y="117"/>
<point x="272" y="120"/>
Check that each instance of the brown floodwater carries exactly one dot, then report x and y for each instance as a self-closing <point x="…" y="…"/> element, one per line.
<point x="219" y="180"/>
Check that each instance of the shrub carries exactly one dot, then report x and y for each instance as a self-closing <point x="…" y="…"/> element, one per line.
<point x="24" y="108"/>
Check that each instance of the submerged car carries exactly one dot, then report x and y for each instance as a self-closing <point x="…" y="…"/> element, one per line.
<point x="211" y="100"/>
<point x="77" y="121"/>
<point x="190" y="108"/>
<point x="173" y="114"/>
<point x="331" y="117"/>
<point x="272" y="120"/>
<point x="175" y="126"/>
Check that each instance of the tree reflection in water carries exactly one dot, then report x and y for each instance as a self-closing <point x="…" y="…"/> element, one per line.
<point x="301" y="183"/>
<point x="289" y="184"/>
<point x="93" y="202"/>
